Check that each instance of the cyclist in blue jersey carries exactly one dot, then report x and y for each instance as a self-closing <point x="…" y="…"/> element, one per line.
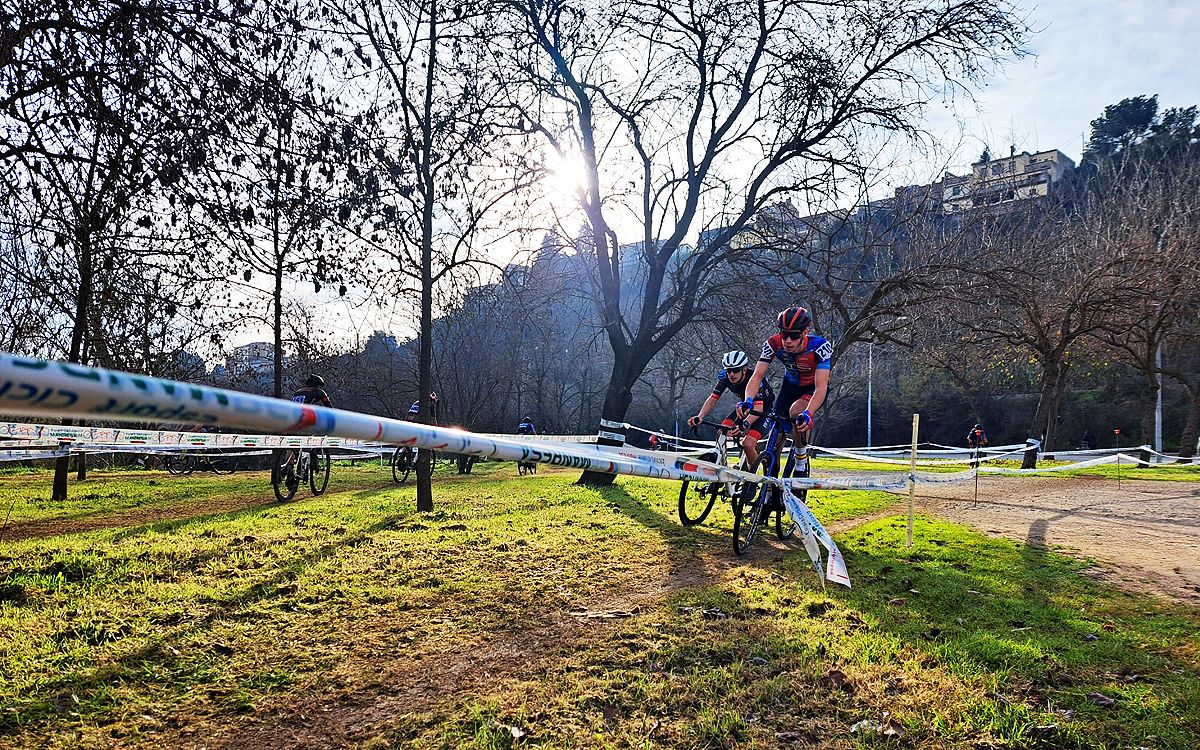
<point x="415" y="409"/>
<point x="735" y="378"/>
<point x="313" y="392"/>
<point x="527" y="427"/>
<point x="807" y="361"/>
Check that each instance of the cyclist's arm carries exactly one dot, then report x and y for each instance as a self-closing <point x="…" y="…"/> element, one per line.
<point x="706" y="408"/>
<point x="756" y="379"/>
<point x="821" y="387"/>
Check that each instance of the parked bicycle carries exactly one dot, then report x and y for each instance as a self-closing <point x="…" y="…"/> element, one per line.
<point x="696" y="499"/>
<point x="293" y="466"/>
<point x="756" y="502"/>
<point x="183" y="464"/>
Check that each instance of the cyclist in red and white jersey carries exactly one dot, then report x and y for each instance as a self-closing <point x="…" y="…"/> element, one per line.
<point x="807" y="360"/>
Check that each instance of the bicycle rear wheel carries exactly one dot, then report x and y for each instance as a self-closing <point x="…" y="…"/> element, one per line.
<point x="318" y="470"/>
<point x="283" y="475"/>
<point x="696" y="500"/>
<point x="174" y="464"/>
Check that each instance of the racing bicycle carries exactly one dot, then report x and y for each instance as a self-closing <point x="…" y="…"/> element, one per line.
<point x="294" y="466"/>
<point x="526" y="467"/>
<point x="756" y="502"/>
<point x="696" y="499"/>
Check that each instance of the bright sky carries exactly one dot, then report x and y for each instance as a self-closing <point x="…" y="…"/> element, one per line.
<point x="1087" y="54"/>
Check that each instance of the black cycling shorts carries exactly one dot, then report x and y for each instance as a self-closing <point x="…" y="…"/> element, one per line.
<point x="790" y="393"/>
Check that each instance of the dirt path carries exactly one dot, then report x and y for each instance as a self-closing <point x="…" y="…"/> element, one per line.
<point x="353" y="717"/>
<point x="1146" y="533"/>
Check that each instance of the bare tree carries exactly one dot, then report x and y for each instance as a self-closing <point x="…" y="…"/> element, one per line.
<point x="437" y="174"/>
<point x="99" y="111"/>
<point x="1151" y="189"/>
<point x="1039" y="281"/>
<point x="693" y="118"/>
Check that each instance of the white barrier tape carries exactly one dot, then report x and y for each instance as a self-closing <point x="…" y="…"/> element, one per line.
<point x="31" y="455"/>
<point x="672" y="438"/>
<point x="835" y="569"/>
<point x="28" y="444"/>
<point x="118" y="436"/>
<point x="1069" y="467"/>
<point x="877" y="482"/>
<point x="551" y="438"/>
<point x="1096" y="451"/>
<point x="612" y="425"/>
<point x="987" y="449"/>
<point x="924" y="477"/>
<point x="38" y="387"/>
<point x="616" y="437"/>
<point x="920" y="462"/>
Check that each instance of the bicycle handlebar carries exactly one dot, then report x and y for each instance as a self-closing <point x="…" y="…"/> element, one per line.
<point x="710" y="423"/>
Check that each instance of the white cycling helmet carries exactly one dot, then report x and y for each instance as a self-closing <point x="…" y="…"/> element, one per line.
<point x="735" y="360"/>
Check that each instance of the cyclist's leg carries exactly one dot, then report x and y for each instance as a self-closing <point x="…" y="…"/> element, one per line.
<point x="800" y="439"/>
<point x="755" y="427"/>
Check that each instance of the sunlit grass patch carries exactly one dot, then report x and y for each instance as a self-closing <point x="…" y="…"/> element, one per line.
<point x="472" y="626"/>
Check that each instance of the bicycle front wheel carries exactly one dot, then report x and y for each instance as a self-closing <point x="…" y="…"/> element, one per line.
<point x="751" y="504"/>
<point x="696" y="500"/>
<point x="318" y="471"/>
<point x="785" y="527"/>
<point x="402" y="465"/>
<point x="749" y="517"/>
<point x="222" y="465"/>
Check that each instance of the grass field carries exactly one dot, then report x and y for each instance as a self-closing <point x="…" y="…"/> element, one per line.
<point x="153" y="611"/>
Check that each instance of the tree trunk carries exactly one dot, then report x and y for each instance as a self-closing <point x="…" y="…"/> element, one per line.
<point x="83" y="296"/>
<point x="277" y="325"/>
<point x="277" y="296"/>
<point x="1187" y="440"/>
<point x="616" y="405"/>
<point x="425" y="358"/>
<point x="1053" y="382"/>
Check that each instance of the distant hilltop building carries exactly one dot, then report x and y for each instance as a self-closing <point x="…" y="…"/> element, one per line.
<point x="255" y="358"/>
<point x="994" y="182"/>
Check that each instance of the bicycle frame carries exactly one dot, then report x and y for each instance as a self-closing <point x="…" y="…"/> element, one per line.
<point x="780" y="428"/>
<point x="755" y="504"/>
